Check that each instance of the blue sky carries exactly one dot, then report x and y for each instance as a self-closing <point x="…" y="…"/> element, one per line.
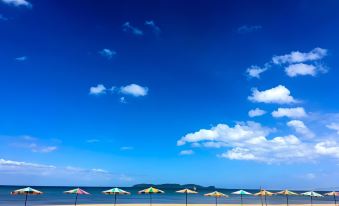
<point x="232" y="94"/>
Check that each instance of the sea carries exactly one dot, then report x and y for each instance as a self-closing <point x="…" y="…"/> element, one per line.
<point x="55" y="196"/>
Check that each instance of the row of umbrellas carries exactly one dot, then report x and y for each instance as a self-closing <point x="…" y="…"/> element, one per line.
<point x="151" y="190"/>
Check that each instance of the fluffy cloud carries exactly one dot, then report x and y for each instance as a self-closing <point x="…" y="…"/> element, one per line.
<point x="333" y="126"/>
<point x="134" y="90"/>
<point x="301" y="128"/>
<point x="31" y="143"/>
<point x="298" y="57"/>
<point x="294" y="70"/>
<point x="127" y="27"/>
<point x="186" y="152"/>
<point x="21" y="59"/>
<point x="18" y="3"/>
<point x="255" y="71"/>
<point x="153" y="26"/>
<point x="328" y="148"/>
<point x="107" y="53"/>
<point x="256" y="112"/>
<point x="297" y="112"/>
<point x="279" y="95"/>
<point x="248" y="28"/>
<point x="96" y="90"/>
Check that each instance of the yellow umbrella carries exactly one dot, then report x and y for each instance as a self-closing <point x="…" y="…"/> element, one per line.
<point x="263" y="193"/>
<point x="217" y="195"/>
<point x="286" y="193"/>
<point x="187" y="191"/>
<point x="150" y="191"/>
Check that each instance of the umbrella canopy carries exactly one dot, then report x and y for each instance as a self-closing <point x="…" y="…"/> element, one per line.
<point x="286" y="193"/>
<point x="26" y="191"/>
<point x="116" y="191"/>
<point x="217" y="195"/>
<point x="76" y="191"/>
<point x="334" y="194"/>
<point x="312" y="194"/>
<point x="150" y="190"/>
<point x="241" y="192"/>
<point x="187" y="191"/>
<point x="263" y="193"/>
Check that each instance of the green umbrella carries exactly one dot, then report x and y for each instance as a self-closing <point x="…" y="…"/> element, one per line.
<point x="115" y="191"/>
<point x="241" y="193"/>
<point x="26" y="191"/>
<point x="150" y="191"/>
<point x="312" y="194"/>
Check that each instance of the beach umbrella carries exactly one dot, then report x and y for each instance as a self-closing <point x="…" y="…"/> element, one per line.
<point x="286" y="193"/>
<point x="186" y="192"/>
<point x="312" y="194"/>
<point x="77" y="192"/>
<point x="263" y="193"/>
<point x="26" y="191"/>
<point x="334" y="194"/>
<point x="217" y="195"/>
<point x="150" y="191"/>
<point x="115" y="191"/>
<point x="241" y="193"/>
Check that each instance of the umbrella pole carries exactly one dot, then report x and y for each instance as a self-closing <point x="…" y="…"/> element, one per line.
<point x="241" y="199"/>
<point x="26" y="199"/>
<point x="265" y="201"/>
<point x="311" y="201"/>
<point x="76" y="199"/>
<point x="186" y="198"/>
<point x="150" y="199"/>
<point x="287" y="200"/>
<point x="262" y="203"/>
<point x="335" y="200"/>
<point x="115" y="199"/>
<point x="216" y="201"/>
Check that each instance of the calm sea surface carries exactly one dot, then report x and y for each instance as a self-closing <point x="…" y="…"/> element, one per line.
<point x="55" y="196"/>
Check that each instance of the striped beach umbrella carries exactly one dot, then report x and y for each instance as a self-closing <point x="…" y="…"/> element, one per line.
<point x="241" y="193"/>
<point x="115" y="191"/>
<point x="150" y="191"/>
<point x="334" y="194"/>
<point x="312" y="194"/>
<point x="76" y="191"/>
<point x="26" y="191"/>
<point x="217" y="195"/>
<point x="286" y="193"/>
<point x="263" y="193"/>
<point x="186" y="192"/>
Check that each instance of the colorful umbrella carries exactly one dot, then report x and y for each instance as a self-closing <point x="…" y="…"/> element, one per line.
<point x="26" y="191"/>
<point x="334" y="194"/>
<point x="263" y="193"/>
<point x="217" y="195"/>
<point x="187" y="191"/>
<point x="286" y="193"/>
<point x="150" y="191"/>
<point x="312" y="194"/>
<point x="115" y="191"/>
<point x="241" y="193"/>
<point x="76" y="191"/>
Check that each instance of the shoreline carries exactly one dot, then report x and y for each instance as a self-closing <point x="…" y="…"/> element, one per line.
<point x="171" y="204"/>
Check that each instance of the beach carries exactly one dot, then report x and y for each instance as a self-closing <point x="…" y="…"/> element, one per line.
<point x="322" y="204"/>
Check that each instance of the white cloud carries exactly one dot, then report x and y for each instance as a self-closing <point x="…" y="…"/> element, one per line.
<point x="32" y="144"/>
<point x="256" y="112"/>
<point x="298" y="57"/>
<point x="279" y="95"/>
<point x="153" y="26"/>
<point x="126" y="148"/>
<point x="248" y="28"/>
<point x="107" y="53"/>
<point x="328" y="148"/>
<point x="96" y="90"/>
<point x="134" y="90"/>
<point x="123" y="100"/>
<point x="21" y="59"/>
<point x="301" y="128"/>
<point x="127" y="27"/>
<point x="255" y="71"/>
<point x="294" y="70"/>
<point x="297" y="112"/>
<point x="186" y="152"/>
<point x="18" y="3"/>
<point x="333" y="126"/>
<point x="15" y="164"/>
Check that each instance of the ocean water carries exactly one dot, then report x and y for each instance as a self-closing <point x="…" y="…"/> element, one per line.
<point x="55" y="196"/>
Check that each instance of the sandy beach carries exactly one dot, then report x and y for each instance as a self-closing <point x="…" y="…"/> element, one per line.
<point x="193" y="204"/>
